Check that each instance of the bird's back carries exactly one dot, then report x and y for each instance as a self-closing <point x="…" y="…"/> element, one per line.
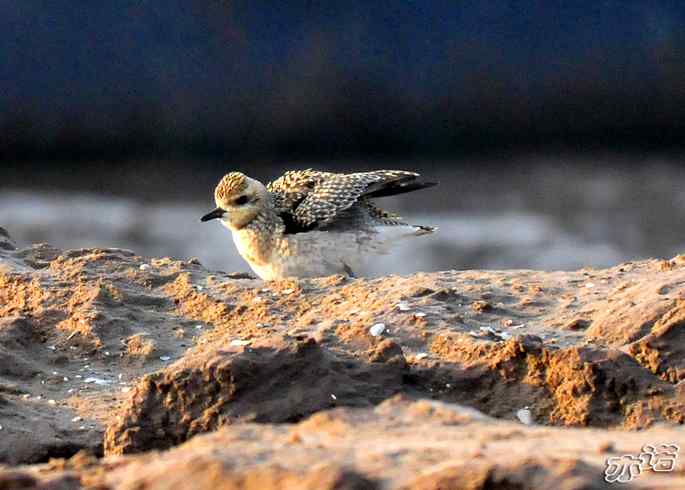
<point x="309" y="200"/>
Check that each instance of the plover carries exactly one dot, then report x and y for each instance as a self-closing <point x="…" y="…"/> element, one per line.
<point x="309" y="223"/>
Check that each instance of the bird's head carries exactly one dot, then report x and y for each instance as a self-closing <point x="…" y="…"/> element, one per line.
<point x="238" y="200"/>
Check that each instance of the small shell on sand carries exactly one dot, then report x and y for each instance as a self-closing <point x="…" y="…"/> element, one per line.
<point x="377" y="329"/>
<point x="239" y="342"/>
<point x="525" y="416"/>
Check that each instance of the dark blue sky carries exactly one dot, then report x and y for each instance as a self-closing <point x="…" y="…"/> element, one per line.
<point x="212" y="75"/>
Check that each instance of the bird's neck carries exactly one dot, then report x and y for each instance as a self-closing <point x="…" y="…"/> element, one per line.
<point x="257" y="240"/>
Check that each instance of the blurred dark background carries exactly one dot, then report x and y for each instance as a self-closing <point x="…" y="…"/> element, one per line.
<point x="556" y="128"/>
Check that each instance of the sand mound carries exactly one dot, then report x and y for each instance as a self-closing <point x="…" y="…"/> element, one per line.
<point x="332" y="383"/>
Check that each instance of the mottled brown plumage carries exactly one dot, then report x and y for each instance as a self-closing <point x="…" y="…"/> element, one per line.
<point x="230" y="184"/>
<point x="310" y="223"/>
<point x="317" y="198"/>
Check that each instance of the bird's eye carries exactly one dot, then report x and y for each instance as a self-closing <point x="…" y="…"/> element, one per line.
<point x="241" y="200"/>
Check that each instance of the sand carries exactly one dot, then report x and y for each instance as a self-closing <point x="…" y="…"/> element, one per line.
<point x="122" y="371"/>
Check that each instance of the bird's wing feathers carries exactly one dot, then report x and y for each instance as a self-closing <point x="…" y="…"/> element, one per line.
<point x="330" y="197"/>
<point x="311" y="198"/>
<point x="292" y="187"/>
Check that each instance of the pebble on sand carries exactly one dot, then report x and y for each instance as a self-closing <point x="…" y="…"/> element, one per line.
<point x="525" y="416"/>
<point x="403" y="306"/>
<point x="377" y="329"/>
<point x="239" y="342"/>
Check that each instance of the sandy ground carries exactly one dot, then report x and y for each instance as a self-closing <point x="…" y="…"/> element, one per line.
<point x="420" y="381"/>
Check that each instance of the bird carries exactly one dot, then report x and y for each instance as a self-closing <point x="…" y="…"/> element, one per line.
<point x="311" y="223"/>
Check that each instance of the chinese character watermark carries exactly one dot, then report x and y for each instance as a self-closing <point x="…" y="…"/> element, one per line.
<point x="623" y="469"/>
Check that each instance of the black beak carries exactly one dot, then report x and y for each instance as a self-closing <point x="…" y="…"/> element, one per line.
<point x="217" y="213"/>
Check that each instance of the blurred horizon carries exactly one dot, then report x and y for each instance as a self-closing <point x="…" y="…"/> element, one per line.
<point x="538" y="213"/>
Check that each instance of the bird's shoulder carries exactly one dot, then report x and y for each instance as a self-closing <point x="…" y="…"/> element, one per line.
<point x="297" y="181"/>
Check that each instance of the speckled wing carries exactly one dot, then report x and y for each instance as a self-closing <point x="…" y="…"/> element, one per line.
<point x="313" y="198"/>
<point x="292" y="187"/>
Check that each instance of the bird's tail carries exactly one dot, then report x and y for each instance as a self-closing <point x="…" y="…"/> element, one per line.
<point x="424" y="230"/>
<point x="387" y="237"/>
<point x="394" y="234"/>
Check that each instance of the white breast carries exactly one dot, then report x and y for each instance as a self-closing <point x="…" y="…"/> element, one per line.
<point x="317" y="253"/>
